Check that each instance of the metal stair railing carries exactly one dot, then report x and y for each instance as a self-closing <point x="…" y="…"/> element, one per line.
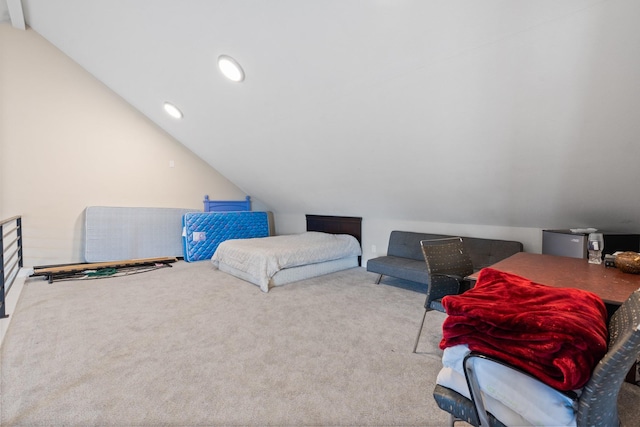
<point x="10" y="257"/>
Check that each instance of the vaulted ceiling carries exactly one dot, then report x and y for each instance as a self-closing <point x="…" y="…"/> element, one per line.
<point x="485" y="112"/>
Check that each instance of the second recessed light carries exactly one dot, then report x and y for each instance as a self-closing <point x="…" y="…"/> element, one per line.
<point x="172" y="110"/>
<point x="230" y="68"/>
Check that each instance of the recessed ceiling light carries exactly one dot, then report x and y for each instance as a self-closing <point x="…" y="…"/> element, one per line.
<point x="230" y="68"/>
<point x="172" y="110"/>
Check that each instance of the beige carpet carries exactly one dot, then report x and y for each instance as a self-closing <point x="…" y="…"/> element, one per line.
<point x="191" y="346"/>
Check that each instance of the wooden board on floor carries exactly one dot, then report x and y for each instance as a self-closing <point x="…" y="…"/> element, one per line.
<point x="70" y="268"/>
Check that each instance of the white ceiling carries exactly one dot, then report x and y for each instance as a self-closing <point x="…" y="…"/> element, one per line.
<point x="488" y="112"/>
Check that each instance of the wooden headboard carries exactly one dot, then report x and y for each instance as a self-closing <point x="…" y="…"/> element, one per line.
<point x="336" y="225"/>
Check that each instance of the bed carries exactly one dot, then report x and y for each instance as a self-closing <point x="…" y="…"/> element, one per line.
<point x="330" y="244"/>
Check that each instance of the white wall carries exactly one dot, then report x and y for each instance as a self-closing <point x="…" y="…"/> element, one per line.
<point x="68" y="142"/>
<point x="517" y="114"/>
<point x="525" y="98"/>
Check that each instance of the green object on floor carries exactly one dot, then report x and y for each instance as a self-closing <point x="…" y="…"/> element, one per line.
<point x="102" y="272"/>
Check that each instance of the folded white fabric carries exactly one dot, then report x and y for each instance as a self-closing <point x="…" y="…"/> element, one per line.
<point x="513" y="397"/>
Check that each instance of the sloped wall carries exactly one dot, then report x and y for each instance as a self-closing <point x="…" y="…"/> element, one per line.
<point x="68" y="142"/>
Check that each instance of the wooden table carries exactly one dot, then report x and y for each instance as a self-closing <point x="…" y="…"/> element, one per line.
<point x="612" y="285"/>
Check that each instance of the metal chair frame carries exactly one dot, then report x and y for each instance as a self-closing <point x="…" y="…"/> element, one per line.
<point x="448" y="264"/>
<point x="596" y="405"/>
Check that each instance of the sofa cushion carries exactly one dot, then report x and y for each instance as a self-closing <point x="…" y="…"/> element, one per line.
<point x="486" y="252"/>
<point x="406" y="244"/>
<point x="402" y="268"/>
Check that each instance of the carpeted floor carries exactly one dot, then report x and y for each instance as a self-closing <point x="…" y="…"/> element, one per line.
<point x="191" y="346"/>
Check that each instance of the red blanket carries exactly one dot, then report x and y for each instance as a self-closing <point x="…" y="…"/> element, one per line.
<point x="556" y="334"/>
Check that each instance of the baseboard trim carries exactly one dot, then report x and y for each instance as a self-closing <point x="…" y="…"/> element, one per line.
<point x="11" y="300"/>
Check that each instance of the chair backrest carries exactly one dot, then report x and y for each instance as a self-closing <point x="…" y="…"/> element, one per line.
<point x="446" y="256"/>
<point x="597" y="405"/>
<point x="448" y="264"/>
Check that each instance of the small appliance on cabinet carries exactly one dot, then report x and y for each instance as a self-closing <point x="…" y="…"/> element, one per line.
<point x="574" y="245"/>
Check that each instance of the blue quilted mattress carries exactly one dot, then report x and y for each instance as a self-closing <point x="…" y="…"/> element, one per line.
<point x="202" y="232"/>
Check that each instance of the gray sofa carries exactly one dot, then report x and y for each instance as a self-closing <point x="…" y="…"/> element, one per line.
<point x="404" y="259"/>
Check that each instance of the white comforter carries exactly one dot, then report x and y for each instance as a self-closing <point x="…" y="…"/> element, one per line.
<point x="265" y="256"/>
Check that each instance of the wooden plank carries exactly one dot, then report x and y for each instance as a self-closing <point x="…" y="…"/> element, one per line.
<point x="97" y="265"/>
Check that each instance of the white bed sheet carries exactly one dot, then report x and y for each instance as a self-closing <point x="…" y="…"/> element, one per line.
<point x="294" y="274"/>
<point x="261" y="258"/>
